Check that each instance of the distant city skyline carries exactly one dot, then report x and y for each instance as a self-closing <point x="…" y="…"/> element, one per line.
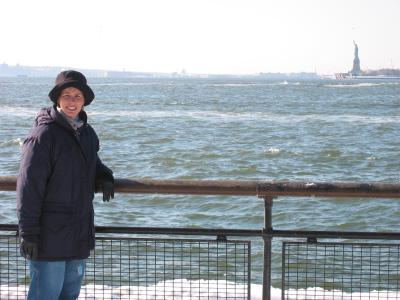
<point x="51" y="71"/>
<point x="201" y="36"/>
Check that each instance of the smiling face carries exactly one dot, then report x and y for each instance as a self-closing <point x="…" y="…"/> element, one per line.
<point x="71" y="101"/>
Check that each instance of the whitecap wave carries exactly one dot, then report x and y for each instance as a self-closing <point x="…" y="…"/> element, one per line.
<point x="250" y="84"/>
<point x="215" y="115"/>
<point x="273" y="151"/>
<point x="202" y="289"/>
<point x="360" y="84"/>
<point x="169" y="289"/>
<point x="246" y="116"/>
<point x="17" y="111"/>
<point x="235" y="84"/>
<point x="132" y="84"/>
<point x="318" y="293"/>
<point x="17" y="141"/>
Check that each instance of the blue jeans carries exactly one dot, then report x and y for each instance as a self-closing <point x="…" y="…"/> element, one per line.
<point x="55" y="280"/>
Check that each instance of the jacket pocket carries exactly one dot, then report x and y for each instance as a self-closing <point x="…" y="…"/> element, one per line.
<point x="55" y="207"/>
<point x="56" y="221"/>
<point x="57" y="236"/>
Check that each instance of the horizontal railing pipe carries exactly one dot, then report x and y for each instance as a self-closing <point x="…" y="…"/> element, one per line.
<point x="163" y="230"/>
<point x="262" y="189"/>
<point x="358" y="235"/>
<point x="237" y="232"/>
<point x="245" y="188"/>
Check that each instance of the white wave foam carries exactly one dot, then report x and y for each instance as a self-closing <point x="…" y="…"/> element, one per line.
<point x="360" y="84"/>
<point x="174" y="289"/>
<point x="273" y="151"/>
<point x="202" y="289"/>
<point x="244" y="116"/>
<point x="235" y="84"/>
<point x="319" y="293"/>
<point x="17" y="111"/>
<point x="8" y="111"/>
<point x="46" y="84"/>
<point x="132" y="84"/>
<point x="170" y="289"/>
<point x="253" y="84"/>
<point x="17" y="141"/>
<point x="372" y="158"/>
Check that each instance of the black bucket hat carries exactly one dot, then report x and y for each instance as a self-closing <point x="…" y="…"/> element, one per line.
<point x="74" y="79"/>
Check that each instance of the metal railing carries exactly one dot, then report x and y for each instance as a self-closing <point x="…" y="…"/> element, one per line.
<point x="267" y="190"/>
<point x="327" y="270"/>
<point x="145" y="268"/>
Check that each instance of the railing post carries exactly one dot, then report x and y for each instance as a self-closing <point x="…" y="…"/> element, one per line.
<point x="266" y="294"/>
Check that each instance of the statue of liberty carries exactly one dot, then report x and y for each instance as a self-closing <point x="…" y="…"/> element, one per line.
<point x="356" y="71"/>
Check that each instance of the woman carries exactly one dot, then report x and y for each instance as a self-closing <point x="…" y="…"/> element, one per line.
<point x="59" y="172"/>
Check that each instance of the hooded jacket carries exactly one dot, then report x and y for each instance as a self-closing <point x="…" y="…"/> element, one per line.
<point x="56" y="184"/>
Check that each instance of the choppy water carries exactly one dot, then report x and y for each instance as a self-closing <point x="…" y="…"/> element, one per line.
<point x="229" y="129"/>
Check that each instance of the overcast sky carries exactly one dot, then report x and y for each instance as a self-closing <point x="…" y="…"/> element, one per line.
<point x="201" y="36"/>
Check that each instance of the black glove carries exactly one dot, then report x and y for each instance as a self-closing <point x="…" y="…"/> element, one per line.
<point x="29" y="247"/>
<point x="107" y="187"/>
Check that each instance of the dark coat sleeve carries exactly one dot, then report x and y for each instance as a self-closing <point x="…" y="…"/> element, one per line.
<point x="102" y="171"/>
<point x="35" y="169"/>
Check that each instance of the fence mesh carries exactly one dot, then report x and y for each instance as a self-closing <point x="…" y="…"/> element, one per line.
<point x="13" y="269"/>
<point x="137" y="268"/>
<point x="340" y="271"/>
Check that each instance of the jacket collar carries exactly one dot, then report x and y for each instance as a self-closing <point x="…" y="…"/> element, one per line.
<point x="61" y="120"/>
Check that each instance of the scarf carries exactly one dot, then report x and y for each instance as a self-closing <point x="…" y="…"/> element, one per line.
<point x="75" y="123"/>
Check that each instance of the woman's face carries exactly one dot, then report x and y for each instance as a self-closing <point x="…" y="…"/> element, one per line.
<point x="71" y="101"/>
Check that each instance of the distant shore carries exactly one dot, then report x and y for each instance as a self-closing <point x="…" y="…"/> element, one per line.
<point x="45" y="71"/>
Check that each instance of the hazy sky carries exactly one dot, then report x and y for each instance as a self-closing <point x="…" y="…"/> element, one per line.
<point x="201" y="36"/>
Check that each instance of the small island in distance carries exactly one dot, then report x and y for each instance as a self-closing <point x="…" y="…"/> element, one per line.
<point x="357" y="73"/>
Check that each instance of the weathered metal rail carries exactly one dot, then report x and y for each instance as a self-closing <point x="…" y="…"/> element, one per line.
<point x="245" y="188"/>
<point x="268" y="190"/>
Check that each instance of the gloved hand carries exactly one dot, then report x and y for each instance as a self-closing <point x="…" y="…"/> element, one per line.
<point x="29" y="247"/>
<point x="107" y="187"/>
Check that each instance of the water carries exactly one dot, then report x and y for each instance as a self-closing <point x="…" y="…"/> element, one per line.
<point x="229" y="129"/>
<point x="159" y="291"/>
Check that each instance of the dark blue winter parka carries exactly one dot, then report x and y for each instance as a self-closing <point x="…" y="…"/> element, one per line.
<point x="56" y="184"/>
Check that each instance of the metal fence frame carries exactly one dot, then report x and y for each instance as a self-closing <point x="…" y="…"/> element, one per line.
<point x="129" y="267"/>
<point x="315" y="270"/>
<point x="267" y="190"/>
